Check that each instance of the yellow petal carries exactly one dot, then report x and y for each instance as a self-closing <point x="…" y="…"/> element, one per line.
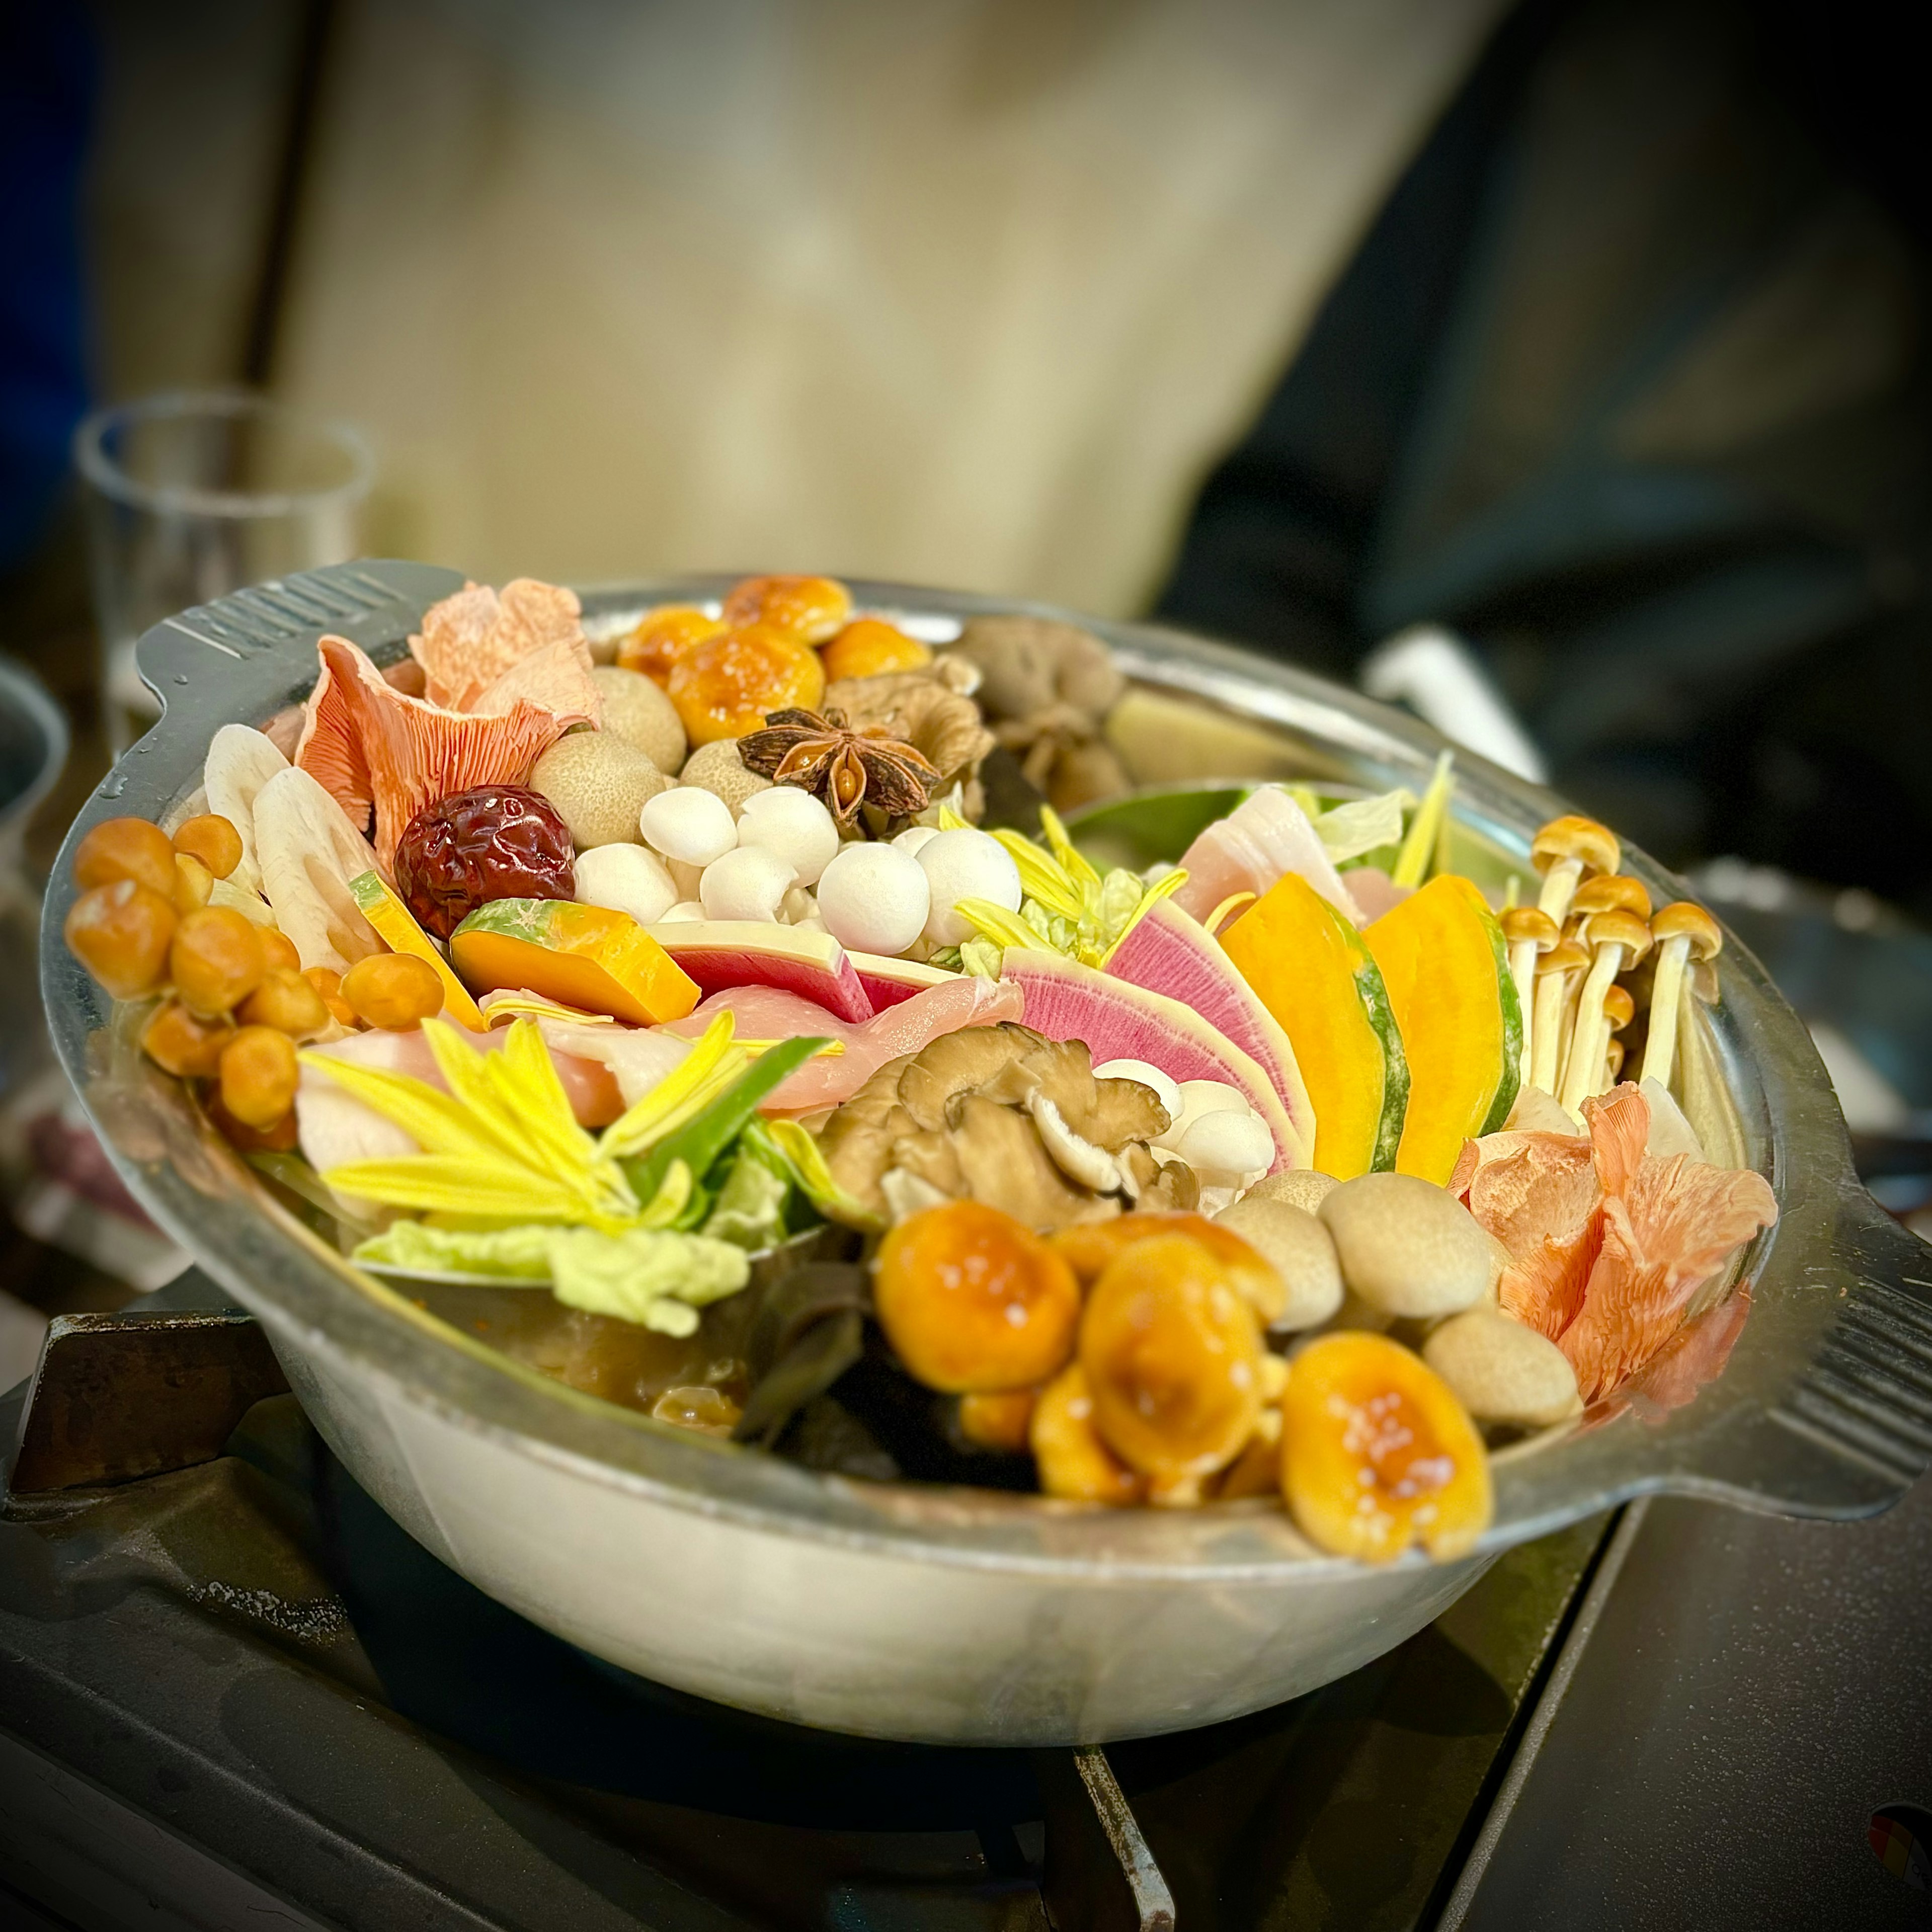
<point x="996" y="923"/>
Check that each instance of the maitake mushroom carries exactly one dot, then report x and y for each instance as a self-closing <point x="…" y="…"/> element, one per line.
<point x="1004" y="1115"/>
<point x="1048" y="687"/>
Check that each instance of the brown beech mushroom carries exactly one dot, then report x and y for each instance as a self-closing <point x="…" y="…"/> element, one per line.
<point x="1502" y="1371"/>
<point x="1529" y="934"/>
<point x="1684" y="932"/>
<point x="1564" y="851"/>
<point x="1618" y="938"/>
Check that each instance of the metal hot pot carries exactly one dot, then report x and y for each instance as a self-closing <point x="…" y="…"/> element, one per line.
<point x="959" y="1616"/>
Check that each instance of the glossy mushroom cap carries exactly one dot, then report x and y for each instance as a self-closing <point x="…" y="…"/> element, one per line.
<point x="1524" y="923"/>
<point x="1681" y="919"/>
<point x="1619" y="1008"/>
<point x="1566" y="957"/>
<point x="1573" y="836"/>
<point x="1618" y="928"/>
<point x="1616" y="891"/>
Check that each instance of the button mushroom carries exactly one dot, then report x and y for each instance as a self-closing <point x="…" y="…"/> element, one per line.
<point x="1683" y="932"/>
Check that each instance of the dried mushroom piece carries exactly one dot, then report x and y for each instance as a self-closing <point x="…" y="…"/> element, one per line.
<point x="1029" y="664"/>
<point x="1062" y="752"/>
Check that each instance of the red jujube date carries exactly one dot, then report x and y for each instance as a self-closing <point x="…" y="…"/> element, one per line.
<point x="494" y="842"/>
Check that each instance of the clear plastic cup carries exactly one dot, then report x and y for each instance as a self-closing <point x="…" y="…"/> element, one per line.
<point x="193" y="494"/>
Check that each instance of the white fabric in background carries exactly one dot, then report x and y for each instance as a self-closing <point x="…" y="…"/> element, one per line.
<point x="957" y="293"/>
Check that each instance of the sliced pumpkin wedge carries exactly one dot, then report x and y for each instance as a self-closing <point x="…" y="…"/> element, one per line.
<point x="584" y="956"/>
<point x="1447" y="971"/>
<point x="1314" y="974"/>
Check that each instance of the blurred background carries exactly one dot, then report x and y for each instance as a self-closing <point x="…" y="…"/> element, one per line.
<point x="1593" y="330"/>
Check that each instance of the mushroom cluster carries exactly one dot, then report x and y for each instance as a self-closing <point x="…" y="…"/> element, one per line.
<point x="1004" y="1115"/>
<point x="1047" y="687"/>
<point x="1573" y="957"/>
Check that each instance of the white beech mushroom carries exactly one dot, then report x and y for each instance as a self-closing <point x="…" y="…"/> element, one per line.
<point x="1530" y="933"/>
<point x="1553" y="969"/>
<point x="1564" y="851"/>
<point x="1618" y="939"/>
<point x="1683" y="932"/>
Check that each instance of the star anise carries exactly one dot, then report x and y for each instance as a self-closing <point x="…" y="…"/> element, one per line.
<point x="847" y="768"/>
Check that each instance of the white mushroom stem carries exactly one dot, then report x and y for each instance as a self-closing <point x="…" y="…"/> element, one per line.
<point x="1559" y="888"/>
<point x="1546" y="1029"/>
<point x="1667" y="999"/>
<point x="1620" y="937"/>
<point x="1566" y="1024"/>
<point x="1585" y="1058"/>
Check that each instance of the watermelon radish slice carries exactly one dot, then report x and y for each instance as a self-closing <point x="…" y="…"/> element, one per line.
<point x="888" y="983"/>
<point x="720" y="954"/>
<point x="1166" y="951"/>
<point x="1121" y="1020"/>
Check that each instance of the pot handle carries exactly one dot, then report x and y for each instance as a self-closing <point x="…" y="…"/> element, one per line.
<point x="1865" y="1403"/>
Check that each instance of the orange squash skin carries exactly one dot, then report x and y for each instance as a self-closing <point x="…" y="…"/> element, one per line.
<point x="1443" y="965"/>
<point x="1377" y="1453"/>
<point x="584" y="956"/>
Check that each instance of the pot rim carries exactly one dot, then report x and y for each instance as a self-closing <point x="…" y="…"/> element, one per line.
<point x="1824" y="1408"/>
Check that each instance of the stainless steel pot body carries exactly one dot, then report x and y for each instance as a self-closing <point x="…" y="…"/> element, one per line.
<point x="952" y="1616"/>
